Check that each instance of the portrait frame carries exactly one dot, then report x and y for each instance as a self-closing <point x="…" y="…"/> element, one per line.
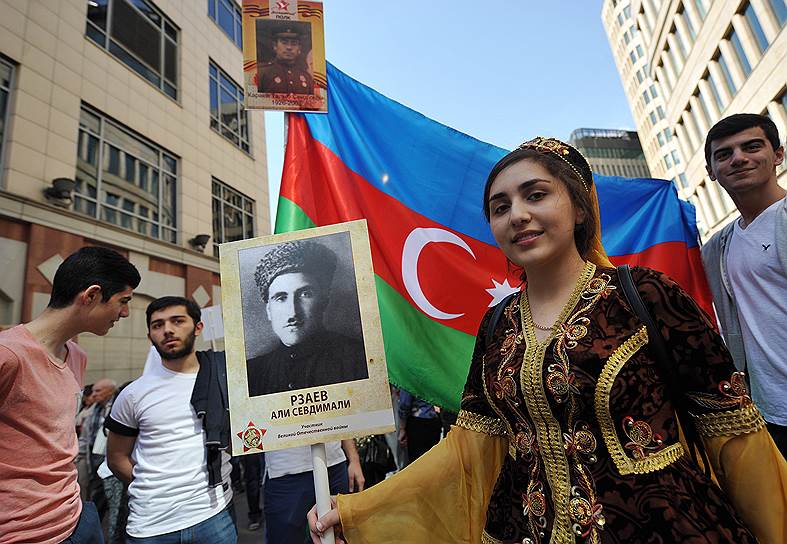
<point x="335" y="410"/>
<point x="303" y="85"/>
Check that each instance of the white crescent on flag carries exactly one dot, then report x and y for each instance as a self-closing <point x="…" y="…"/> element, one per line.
<point x="415" y="242"/>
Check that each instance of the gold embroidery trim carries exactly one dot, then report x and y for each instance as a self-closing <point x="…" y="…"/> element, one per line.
<point x="486" y="539"/>
<point x="624" y="463"/>
<point x="731" y="423"/>
<point x="549" y="435"/>
<point x="480" y="424"/>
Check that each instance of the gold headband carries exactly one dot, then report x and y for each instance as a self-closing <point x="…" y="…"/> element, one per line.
<point x="559" y="149"/>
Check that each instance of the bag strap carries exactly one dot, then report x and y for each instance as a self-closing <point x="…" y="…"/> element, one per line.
<point x="496" y="314"/>
<point x="663" y="358"/>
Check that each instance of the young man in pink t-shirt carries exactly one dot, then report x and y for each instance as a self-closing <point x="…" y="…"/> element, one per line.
<point x="41" y="372"/>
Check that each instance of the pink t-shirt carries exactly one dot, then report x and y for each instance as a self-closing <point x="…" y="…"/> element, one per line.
<point x="39" y="495"/>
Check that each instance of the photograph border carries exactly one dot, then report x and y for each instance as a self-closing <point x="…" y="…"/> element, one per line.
<point x="322" y="413"/>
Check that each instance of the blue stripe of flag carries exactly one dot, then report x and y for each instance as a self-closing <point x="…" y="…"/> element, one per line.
<point x="440" y="172"/>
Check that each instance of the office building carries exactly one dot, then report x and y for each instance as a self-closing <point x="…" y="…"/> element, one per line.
<point x="685" y="65"/>
<point x="611" y="152"/>
<point x="122" y="124"/>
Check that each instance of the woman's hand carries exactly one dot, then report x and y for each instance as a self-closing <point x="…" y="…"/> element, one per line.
<point x="330" y="519"/>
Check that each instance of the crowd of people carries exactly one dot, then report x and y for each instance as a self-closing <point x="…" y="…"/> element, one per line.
<point x="601" y="403"/>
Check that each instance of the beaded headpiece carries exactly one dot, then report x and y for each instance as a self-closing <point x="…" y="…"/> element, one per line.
<point x="564" y="152"/>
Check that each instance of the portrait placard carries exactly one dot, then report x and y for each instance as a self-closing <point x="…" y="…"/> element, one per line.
<point x="305" y="355"/>
<point x="284" y="55"/>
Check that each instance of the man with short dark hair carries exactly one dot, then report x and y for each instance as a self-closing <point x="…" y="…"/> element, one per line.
<point x="287" y="72"/>
<point x="294" y="280"/>
<point x="167" y="430"/>
<point x="41" y="375"/>
<point x="746" y="262"/>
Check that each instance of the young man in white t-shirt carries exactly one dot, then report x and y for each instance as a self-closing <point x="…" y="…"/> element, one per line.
<point x="157" y="441"/>
<point x="746" y="261"/>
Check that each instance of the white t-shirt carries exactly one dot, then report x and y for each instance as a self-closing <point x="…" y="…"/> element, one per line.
<point x="170" y="488"/>
<point x="296" y="460"/>
<point x="760" y="288"/>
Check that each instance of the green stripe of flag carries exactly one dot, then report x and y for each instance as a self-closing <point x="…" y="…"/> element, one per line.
<point x="424" y="357"/>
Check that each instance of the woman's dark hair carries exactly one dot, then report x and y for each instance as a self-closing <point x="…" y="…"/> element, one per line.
<point x="585" y="231"/>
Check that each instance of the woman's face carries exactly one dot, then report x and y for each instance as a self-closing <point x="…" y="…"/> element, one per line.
<point x="531" y="215"/>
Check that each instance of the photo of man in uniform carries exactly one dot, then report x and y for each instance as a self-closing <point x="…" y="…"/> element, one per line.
<point x="282" y="50"/>
<point x="293" y="282"/>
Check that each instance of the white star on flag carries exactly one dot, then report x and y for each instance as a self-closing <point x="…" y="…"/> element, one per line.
<point x="500" y="291"/>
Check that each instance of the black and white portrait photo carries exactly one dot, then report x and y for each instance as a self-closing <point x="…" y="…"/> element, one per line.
<point x="301" y="316"/>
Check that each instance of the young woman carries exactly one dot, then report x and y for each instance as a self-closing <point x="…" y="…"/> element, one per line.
<point x="568" y="430"/>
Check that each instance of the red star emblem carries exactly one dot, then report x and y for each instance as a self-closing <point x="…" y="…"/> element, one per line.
<point x="282" y="4"/>
<point x="251" y="437"/>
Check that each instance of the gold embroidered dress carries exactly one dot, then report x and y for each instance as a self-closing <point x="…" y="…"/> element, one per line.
<point x="575" y="440"/>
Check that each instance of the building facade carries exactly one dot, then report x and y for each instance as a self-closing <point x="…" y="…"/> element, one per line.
<point x="706" y="59"/>
<point x="611" y="152"/>
<point x="122" y="124"/>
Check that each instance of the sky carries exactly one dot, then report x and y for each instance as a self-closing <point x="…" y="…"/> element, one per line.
<point x="502" y="71"/>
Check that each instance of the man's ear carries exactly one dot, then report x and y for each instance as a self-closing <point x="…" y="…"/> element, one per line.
<point x="198" y="328"/>
<point x="268" y="311"/>
<point x="90" y="296"/>
<point x="779" y="156"/>
<point x="711" y="175"/>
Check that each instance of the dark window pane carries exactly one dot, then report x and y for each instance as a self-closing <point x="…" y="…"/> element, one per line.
<point x="96" y="35"/>
<point x="226" y="19"/>
<point x="249" y="226"/>
<point x="97" y="13"/>
<point x="147" y="9"/>
<point x="170" y="164"/>
<point x="742" y="58"/>
<point x="214" y="99"/>
<point x="170" y="61"/>
<point x="154" y="183"/>
<point x="134" y="64"/>
<point x="217" y="236"/>
<point x="170" y="91"/>
<point x="143" y="177"/>
<point x="171" y="31"/>
<point x="756" y="28"/>
<point x="780" y="10"/>
<point x="238" y="31"/>
<point x="233" y="225"/>
<point x="131" y="164"/>
<point x="136" y="33"/>
<point x="213" y="71"/>
<point x="113" y="160"/>
<point x="212" y="9"/>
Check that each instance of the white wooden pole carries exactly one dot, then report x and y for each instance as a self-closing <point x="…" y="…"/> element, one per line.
<point x="322" y="489"/>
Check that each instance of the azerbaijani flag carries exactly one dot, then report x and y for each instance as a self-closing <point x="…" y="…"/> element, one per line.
<point x="419" y="185"/>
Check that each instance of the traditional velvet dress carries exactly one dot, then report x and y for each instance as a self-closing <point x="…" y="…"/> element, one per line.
<point x="575" y="439"/>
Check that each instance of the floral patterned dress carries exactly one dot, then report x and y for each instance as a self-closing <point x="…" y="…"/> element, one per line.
<point x="593" y="448"/>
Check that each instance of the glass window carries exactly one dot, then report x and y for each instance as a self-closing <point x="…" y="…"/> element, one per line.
<point x="675" y="158"/>
<point x="660" y="138"/>
<point x="227" y="114"/>
<point x="704" y="107"/>
<point x="653" y="92"/>
<point x="683" y="181"/>
<point x="660" y="112"/>
<point x="725" y="69"/>
<point x="653" y="119"/>
<point x="140" y="36"/>
<point x="779" y="8"/>
<point x="6" y="71"/>
<point x="117" y="178"/>
<point x="743" y="60"/>
<point x="646" y="97"/>
<point x="620" y="19"/>
<point x="639" y="76"/>
<point x="667" y="161"/>
<point x="679" y="41"/>
<point x="632" y="57"/>
<point x="626" y="37"/>
<point x="756" y="28"/>
<point x="687" y="21"/>
<point x="233" y="215"/>
<point x="715" y="90"/>
<point x="627" y="12"/>
<point x="701" y="8"/>
<point x="640" y="52"/>
<point x="227" y="15"/>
